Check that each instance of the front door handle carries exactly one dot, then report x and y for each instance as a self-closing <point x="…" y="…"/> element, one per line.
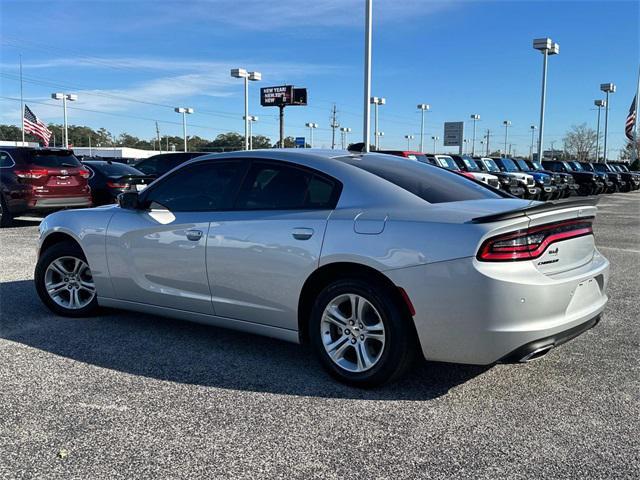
<point x="194" y="235"/>
<point x="302" y="233"/>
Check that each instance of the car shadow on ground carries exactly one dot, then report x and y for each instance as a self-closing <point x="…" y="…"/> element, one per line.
<point x="25" y="222"/>
<point x="189" y="353"/>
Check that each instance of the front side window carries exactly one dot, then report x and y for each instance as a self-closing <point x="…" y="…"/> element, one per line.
<point x="148" y="166"/>
<point x="275" y="186"/>
<point x="201" y="187"/>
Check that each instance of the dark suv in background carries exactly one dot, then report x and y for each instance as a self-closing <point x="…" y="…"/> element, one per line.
<point x="588" y="183"/>
<point x="40" y="180"/>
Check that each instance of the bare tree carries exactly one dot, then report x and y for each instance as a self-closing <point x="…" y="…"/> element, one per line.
<point x="580" y="141"/>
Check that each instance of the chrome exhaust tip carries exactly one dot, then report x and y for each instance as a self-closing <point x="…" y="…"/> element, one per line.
<point x="537" y="353"/>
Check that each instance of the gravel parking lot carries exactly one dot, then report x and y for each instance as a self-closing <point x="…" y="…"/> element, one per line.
<point x="133" y="396"/>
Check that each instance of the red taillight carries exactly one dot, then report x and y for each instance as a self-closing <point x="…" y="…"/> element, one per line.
<point x="117" y="185"/>
<point x="84" y="173"/>
<point x="32" y="173"/>
<point x="530" y="243"/>
<point x="468" y="175"/>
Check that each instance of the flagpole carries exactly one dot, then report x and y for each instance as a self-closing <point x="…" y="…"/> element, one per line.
<point x="635" y="135"/>
<point x="21" y="103"/>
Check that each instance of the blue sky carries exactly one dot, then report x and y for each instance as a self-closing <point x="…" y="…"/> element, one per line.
<point x="462" y="57"/>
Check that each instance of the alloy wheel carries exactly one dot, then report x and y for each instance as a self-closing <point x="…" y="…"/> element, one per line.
<point x="352" y="333"/>
<point x="69" y="283"/>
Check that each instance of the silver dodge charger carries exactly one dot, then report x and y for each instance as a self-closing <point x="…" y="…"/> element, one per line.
<point x="369" y="258"/>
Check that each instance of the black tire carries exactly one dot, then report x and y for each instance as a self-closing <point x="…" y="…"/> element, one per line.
<point x="400" y="337"/>
<point x="6" y="219"/>
<point x="57" y="251"/>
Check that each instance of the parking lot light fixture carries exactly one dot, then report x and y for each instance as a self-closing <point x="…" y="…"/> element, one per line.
<point x="65" y="97"/>
<point x="312" y="126"/>
<point x="607" y="88"/>
<point x="435" y="140"/>
<point x="377" y="101"/>
<point x="423" y="107"/>
<point x="599" y="104"/>
<point x="247" y="76"/>
<point x="344" y="132"/>
<point x="547" y="47"/>
<point x="533" y="130"/>
<point x="475" y="117"/>
<point x="184" y="111"/>
<point x="507" y="124"/>
<point x="409" y="138"/>
<point x="252" y="119"/>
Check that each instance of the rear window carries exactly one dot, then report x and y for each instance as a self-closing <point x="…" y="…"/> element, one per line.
<point x="432" y="184"/>
<point x="53" y="159"/>
<point x="114" y="169"/>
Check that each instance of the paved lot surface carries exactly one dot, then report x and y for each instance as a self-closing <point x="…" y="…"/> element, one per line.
<point x="133" y="396"/>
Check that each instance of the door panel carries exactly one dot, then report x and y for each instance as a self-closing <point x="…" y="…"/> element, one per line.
<point x="258" y="261"/>
<point x="157" y="257"/>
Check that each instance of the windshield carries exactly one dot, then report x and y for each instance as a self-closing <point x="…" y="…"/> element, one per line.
<point x="587" y="167"/>
<point x="490" y="164"/>
<point x="448" y="162"/>
<point x="54" y="159"/>
<point x="427" y="182"/>
<point x="577" y="167"/>
<point x="523" y="165"/>
<point x="471" y="165"/>
<point x="509" y="165"/>
<point x="537" y="165"/>
<point x="568" y="166"/>
<point x="600" y="167"/>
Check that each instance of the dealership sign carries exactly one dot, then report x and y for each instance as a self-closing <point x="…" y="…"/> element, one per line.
<point x="453" y="134"/>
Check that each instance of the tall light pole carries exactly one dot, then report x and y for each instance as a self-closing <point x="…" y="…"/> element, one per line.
<point x="547" y="47"/>
<point x="598" y="103"/>
<point x="533" y="130"/>
<point x="252" y="118"/>
<point x="366" y="129"/>
<point x="423" y="107"/>
<point x="311" y="126"/>
<point x="376" y="101"/>
<point x="64" y="97"/>
<point x="507" y="124"/>
<point x="380" y="134"/>
<point x="409" y="138"/>
<point x="344" y="131"/>
<point x="184" y="111"/>
<point x="435" y="139"/>
<point x="607" y="88"/>
<point x="475" y="117"/>
<point x="253" y="76"/>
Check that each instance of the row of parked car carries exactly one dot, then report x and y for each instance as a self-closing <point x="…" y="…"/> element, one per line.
<point x="44" y="179"/>
<point x="546" y="180"/>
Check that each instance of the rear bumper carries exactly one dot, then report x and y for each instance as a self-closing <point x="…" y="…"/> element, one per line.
<point x="47" y="203"/>
<point x="478" y="313"/>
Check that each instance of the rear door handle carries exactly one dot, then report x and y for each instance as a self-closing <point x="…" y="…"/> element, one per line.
<point x="302" y="233"/>
<point x="194" y="235"/>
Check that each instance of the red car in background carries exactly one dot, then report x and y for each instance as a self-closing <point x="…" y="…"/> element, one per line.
<point x="40" y="180"/>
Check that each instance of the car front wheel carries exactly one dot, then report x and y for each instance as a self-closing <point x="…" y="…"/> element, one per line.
<point x="361" y="333"/>
<point x="64" y="281"/>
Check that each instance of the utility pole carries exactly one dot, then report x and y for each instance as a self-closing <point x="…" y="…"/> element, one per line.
<point x="488" y="136"/>
<point x="281" y="107"/>
<point x="334" y="125"/>
<point x="366" y="132"/>
<point x="158" y="135"/>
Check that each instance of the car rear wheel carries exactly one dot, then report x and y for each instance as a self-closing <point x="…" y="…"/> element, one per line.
<point x="64" y="281"/>
<point x="361" y="333"/>
<point x="6" y="219"/>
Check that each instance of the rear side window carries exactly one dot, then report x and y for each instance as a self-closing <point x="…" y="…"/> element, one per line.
<point x="275" y="186"/>
<point x="198" y="188"/>
<point x="52" y="159"/>
<point x="5" y="160"/>
<point x="432" y="184"/>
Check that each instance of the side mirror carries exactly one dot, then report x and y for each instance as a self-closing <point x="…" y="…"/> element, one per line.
<point x="129" y="200"/>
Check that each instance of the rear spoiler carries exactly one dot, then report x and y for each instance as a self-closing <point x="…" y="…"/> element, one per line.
<point x="536" y="208"/>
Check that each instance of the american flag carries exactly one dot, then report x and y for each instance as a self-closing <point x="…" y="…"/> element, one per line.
<point x="35" y="126"/>
<point x="631" y="120"/>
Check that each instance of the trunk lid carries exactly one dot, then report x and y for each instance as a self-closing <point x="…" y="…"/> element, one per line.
<point x="54" y="173"/>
